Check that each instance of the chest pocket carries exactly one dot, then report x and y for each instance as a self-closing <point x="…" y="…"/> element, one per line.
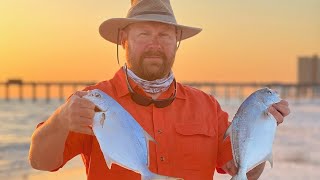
<point x="195" y="144"/>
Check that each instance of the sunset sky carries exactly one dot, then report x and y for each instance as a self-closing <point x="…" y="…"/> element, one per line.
<point x="241" y="41"/>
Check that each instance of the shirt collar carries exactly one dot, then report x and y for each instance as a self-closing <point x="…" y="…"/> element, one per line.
<point x="119" y="81"/>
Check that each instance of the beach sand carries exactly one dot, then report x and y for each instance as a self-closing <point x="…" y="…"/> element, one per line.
<point x="68" y="172"/>
<point x="73" y="173"/>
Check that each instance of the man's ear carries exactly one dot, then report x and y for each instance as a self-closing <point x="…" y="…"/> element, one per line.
<point x="123" y="38"/>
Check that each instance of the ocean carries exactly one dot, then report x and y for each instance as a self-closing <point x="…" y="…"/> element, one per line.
<point x="296" y="147"/>
<point x="18" y="121"/>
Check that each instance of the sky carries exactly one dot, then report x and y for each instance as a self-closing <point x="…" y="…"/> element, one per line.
<point x="241" y="41"/>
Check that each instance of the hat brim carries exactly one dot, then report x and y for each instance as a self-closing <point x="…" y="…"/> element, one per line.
<point x="109" y="28"/>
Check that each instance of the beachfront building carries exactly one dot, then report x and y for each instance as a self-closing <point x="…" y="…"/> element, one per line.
<point x="309" y="72"/>
<point x="309" y="69"/>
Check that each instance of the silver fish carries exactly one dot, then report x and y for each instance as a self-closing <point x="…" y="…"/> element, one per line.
<point x="252" y="131"/>
<point x="121" y="138"/>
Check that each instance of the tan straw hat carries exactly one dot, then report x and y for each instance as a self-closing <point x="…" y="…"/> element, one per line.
<point x="145" y="10"/>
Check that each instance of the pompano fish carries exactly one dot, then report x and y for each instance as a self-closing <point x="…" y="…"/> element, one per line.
<point x="122" y="140"/>
<point x="252" y="131"/>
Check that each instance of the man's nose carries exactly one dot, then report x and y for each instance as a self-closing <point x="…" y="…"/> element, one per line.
<point x="155" y="39"/>
<point x="155" y="42"/>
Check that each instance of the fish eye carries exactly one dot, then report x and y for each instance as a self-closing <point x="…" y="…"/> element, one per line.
<point x="97" y="95"/>
<point x="269" y="92"/>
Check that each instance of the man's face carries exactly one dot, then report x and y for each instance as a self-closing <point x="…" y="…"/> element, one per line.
<point x="150" y="49"/>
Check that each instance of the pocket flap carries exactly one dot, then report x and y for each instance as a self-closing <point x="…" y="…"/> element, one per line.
<point x="194" y="129"/>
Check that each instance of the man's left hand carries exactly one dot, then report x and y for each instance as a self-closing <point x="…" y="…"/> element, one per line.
<point x="280" y="110"/>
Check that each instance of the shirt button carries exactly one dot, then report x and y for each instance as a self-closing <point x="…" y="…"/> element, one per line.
<point x="162" y="158"/>
<point x="159" y="131"/>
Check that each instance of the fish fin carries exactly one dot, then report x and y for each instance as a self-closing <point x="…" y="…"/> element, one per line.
<point x="238" y="177"/>
<point x="102" y="119"/>
<point x="228" y="132"/>
<point x="159" y="177"/>
<point x="148" y="155"/>
<point x="270" y="159"/>
<point x="148" y="137"/>
<point x="109" y="161"/>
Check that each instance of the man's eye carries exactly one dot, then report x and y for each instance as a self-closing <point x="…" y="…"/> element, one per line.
<point x="143" y="34"/>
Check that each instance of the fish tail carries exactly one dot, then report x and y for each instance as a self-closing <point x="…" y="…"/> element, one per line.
<point x="239" y="177"/>
<point x="242" y="175"/>
<point x="159" y="177"/>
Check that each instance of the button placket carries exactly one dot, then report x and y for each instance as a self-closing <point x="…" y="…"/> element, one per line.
<point x="159" y="131"/>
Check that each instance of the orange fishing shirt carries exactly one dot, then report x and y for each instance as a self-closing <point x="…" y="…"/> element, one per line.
<point x="189" y="135"/>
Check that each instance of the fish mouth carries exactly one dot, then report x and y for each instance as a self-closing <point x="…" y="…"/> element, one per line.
<point x="278" y="99"/>
<point x="97" y="109"/>
<point x="277" y="95"/>
<point x="100" y="108"/>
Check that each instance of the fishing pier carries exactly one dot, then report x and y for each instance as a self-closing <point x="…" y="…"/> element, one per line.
<point x="21" y="85"/>
<point x="15" y="89"/>
<point x="228" y="91"/>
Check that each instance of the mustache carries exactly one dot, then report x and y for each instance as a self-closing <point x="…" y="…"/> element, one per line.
<point x="153" y="53"/>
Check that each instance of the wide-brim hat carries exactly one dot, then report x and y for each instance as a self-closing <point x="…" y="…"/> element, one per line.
<point x="142" y="11"/>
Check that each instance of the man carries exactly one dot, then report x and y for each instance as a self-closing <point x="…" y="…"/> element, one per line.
<point x="187" y="124"/>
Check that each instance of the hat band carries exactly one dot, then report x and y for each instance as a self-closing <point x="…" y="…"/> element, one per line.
<point x="150" y="12"/>
<point x="156" y="17"/>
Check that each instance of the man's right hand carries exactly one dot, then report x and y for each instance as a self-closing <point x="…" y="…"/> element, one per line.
<point x="76" y="114"/>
